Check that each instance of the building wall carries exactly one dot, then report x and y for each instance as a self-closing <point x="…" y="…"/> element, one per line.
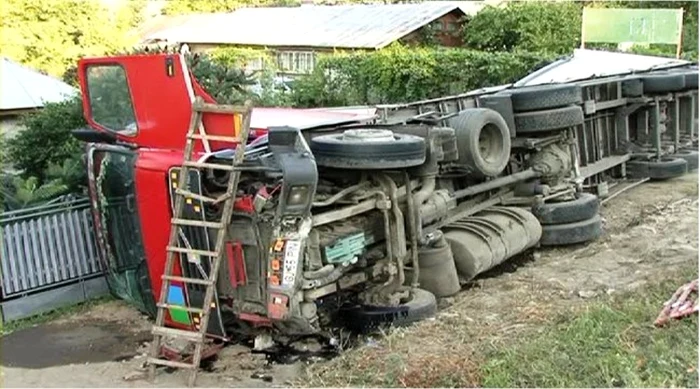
<point x="445" y="30"/>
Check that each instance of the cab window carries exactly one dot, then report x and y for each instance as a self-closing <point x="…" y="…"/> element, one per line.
<point x="110" y="101"/>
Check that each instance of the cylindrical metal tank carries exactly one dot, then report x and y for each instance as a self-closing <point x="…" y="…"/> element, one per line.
<point x="438" y="274"/>
<point x="488" y="238"/>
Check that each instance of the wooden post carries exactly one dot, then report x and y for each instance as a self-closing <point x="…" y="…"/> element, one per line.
<point x="680" y="37"/>
<point x="583" y="28"/>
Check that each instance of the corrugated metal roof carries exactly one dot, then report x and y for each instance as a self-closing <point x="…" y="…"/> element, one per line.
<point x="22" y="87"/>
<point x="585" y="64"/>
<point x="342" y="26"/>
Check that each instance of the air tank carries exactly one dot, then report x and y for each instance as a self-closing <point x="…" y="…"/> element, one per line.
<point x="486" y="239"/>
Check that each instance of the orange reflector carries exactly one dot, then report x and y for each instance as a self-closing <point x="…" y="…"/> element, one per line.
<point x="237" y="124"/>
<point x="274" y="280"/>
<point x="276" y="264"/>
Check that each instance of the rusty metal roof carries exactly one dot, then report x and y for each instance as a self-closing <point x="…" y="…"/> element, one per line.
<point x="342" y="26"/>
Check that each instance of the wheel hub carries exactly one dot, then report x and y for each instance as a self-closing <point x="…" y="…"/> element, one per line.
<point x="368" y="135"/>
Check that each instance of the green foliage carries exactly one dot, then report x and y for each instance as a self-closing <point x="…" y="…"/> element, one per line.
<point x="399" y="74"/>
<point x="529" y="26"/>
<point x="47" y="138"/>
<point x="23" y="193"/>
<point x="50" y="35"/>
<point x="225" y="84"/>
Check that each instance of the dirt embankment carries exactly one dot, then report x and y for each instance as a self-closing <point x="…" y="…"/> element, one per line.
<point x="651" y="231"/>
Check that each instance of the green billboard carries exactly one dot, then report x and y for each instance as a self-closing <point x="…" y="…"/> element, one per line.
<point x="645" y="26"/>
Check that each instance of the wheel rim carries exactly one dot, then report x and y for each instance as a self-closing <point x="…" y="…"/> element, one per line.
<point x="368" y="135"/>
<point x="490" y="143"/>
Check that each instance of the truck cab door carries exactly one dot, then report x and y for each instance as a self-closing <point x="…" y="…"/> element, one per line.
<point x="118" y="227"/>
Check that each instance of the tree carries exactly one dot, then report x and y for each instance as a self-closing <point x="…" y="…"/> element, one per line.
<point x="527" y="26"/>
<point x="179" y="7"/>
<point x="50" y="35"/>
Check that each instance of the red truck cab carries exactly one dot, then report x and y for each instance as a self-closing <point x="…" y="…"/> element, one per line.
<point x="139" y="109"/>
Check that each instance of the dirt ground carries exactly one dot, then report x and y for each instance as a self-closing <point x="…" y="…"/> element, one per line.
<point x="650" y="231"/>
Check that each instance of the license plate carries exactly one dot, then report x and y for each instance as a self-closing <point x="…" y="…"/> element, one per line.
<point x="291" y="261"/>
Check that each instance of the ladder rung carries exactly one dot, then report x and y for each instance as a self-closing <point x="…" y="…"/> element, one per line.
<point x="165" y="362"/>
<point x="181" y="307"/>
<point x="196" y="223"/>
<point x="174" y="333"/>
<point x="220" y="138"/>
<point x="195" y="196"/>
<point x="186" y="280"/>
<point x="204" y="165"/>
<point x="193" y="251"/>
<point x="220" y="108"/>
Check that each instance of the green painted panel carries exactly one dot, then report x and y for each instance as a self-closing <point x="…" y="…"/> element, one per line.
<point x="616" y="25"/>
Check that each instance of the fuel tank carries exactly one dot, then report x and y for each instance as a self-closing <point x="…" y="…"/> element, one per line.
<point x="486" y="239"/>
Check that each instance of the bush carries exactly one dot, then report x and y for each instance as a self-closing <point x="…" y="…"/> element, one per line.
<point x="399" y="74"/>
<point x="529" y="26"/>
<point x="46" y="138"/>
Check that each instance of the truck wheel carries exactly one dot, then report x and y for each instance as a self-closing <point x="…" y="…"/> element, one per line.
<point x="422" y="305"/>
<point x="632" y="87"/>
<point x="585" y="206"/>
<point x="572" y="233"/>
<point x="690" y="156"/>
<point x="541" y="97"/>
<point x="663" y="83"/>
<point x="483" y="141"/>
<point x="662" y="169"/>
<point x="553" y="119"/>
<point x="368" y="149"/>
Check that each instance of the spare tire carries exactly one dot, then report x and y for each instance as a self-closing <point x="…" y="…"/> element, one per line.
<point x="422" y="305"/>
<point x="368" y="148"/>
<point x="544" y="121"/>
<point x="663" y="83"/>
<point x="483" y="141"/>
<point x="540" y="97"/>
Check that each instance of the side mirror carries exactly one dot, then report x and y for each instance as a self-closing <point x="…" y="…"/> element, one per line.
<point x="93" y="136"/>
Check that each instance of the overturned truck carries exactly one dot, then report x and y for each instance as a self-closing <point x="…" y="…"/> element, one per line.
<point x="365" y="215"/>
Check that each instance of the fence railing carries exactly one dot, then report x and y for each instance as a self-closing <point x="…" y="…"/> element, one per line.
<point x="47" y="246"/>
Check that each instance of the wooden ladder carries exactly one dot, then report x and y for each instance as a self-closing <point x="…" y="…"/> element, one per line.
<point x="195" y="133"/>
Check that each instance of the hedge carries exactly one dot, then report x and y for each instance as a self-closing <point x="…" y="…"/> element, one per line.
<point x="400" y="74"/>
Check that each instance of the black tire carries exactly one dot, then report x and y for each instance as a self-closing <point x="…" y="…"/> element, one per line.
<point x="541" y="97"/>
<point x="663" y="169"/>
<point x="346" y="152"/>
<point x="584" y="207"/>
<point x="544" y="121"/>
<point x="422" y="306"/>
<point x="483" y="141"/>
<point x="663" y="83"/>
<point x="572" y="233"/>
<point x="690" y="156"/>
<point x="632" y="87"/>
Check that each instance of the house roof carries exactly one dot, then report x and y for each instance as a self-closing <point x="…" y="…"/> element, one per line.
<point x="370" y="26"/>
<point x="23" y="88"/>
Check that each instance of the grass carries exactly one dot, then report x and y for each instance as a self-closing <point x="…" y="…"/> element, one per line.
<point x="610" y="343"/>
<point x="603" y="342"/>
<point x="16" y="325"/>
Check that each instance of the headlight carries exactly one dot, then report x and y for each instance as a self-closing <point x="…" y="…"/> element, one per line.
<point x="298" y="195"/>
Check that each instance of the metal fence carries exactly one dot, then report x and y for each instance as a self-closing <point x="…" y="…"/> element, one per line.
<point x="46" y="247"/>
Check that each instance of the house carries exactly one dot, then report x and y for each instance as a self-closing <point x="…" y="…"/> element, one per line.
<point x="23" y="90"/>
<point x="296" y="34"/>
